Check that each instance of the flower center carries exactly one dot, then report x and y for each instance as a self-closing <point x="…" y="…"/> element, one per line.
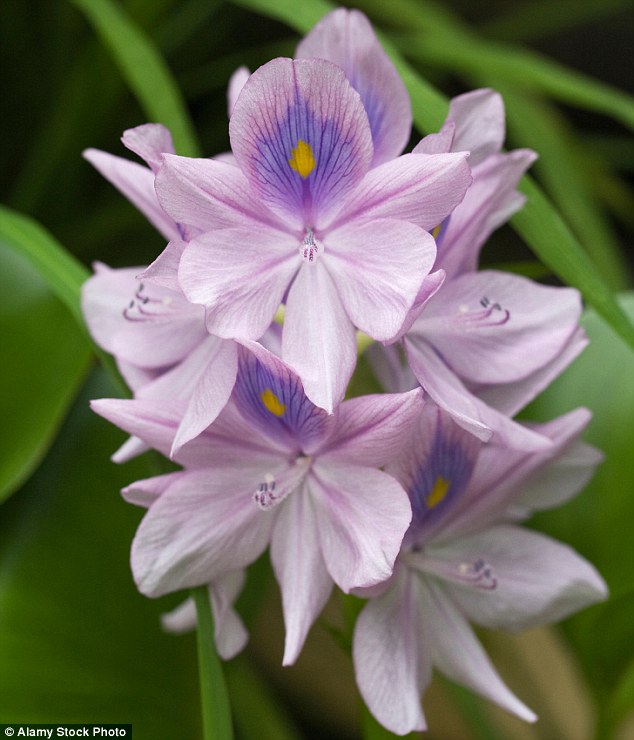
<point x="310" y="248"/>
<point x="144" y="308"/>
<point x="271" y="490"/>
<point x="477" y="573"/>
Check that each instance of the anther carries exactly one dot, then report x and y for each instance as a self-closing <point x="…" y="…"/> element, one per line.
<point x="309" y="248"/>
<point x="478" y="574"/>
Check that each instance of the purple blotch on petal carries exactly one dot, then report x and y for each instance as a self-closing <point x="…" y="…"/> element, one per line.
<point x="301" y="135"/>
<point x="441" y="476"/>
<point x="272" y="398"/>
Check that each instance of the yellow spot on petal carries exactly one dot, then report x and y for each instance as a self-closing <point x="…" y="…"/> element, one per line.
<point x="436" y="230"/>
<point x="302" y="160"/>
<point x="272" y="403"/>
<point x="438" y="492"/>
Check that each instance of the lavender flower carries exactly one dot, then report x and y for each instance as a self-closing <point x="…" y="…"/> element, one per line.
<point x="273" y="468"/>
<point x="464" y="558"/>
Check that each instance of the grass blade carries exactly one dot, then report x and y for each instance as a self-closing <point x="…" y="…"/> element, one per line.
<point x="144" y="70"/>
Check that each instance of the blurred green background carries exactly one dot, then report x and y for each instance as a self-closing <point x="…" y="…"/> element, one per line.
<point x="77" y="643"/>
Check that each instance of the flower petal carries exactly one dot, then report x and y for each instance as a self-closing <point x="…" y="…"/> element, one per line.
<point x="445" y="389"/>
<point x="203" y="380"/>
<point x="137" y="184"/>
<point x="236" y="83"/>
<point x="392" y="656"/>
<point x="458" y="654"/>
<point x="319" y="342"/>
<point x="229" y="631"/>
<point x="468" y="411"/>
<point x="439" y="143"/>
<point x="299" y="569"/>
<point x="150" y="141"/>
<point x="164" y="270"/>
<point x="490" y="201"/>
<point x="240" y="277"/>
<point x="362" y="515"/>
<point x="145" y="325"/>
<point x="203" y="527"/>
<point x="421" y="188"/>
<point x="492" y="327"/>
<point x="501" y="473"/>
<point x="269" y="395"/>
<point x="538" y="580"/>
<point x="434" y="465"/>
<point x="390" y="368"/>
<point x="378" y="268"/>
<point x="129" y="449"/>
<point x="231" y="440"/>
<point x="430" y="286"/>
<point x="371" y="430"/>
<point x="479" y="119"/>
<point x="509" y="398"/>
<point x="209" y="194"/>
<point x="145" y="492"/>
<point x="346" y="38"/>
<point x="300" y="134"/>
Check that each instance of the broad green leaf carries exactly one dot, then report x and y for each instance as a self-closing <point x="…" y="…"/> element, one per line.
<point x="57" y="267"/>
<point x="598" y="521"/>
<point x="44" y="360"/>
<point x="61" y="271"/>
<point x="78" y="642"/>
<point x="622" y="703"/>
<point x="143" y="68"/>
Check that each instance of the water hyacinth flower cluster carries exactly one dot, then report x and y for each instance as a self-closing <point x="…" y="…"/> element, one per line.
<point x="412" y="499"/>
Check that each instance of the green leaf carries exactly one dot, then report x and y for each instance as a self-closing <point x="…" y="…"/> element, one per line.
<point x="213" y="690"/>
<point x="259" y="714"/>
<point x="562" y="166"/>
<point x="44" y="360"/>
<point x="598" y="521"/>
<point x="61" y="271"/>
<point x="78" y="642"/>
<point x="623" y="701"/>
<point x="552" y="241"/>
<point x="143" y="68"/>
<point x="441" y="39"/>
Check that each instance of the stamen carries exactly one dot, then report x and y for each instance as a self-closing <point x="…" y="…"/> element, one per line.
<point x="265" y="496"/>
<point x="310" y="247"/>
<point x="271" y="492"/>
<point x="478" y="574"/>
<point x="144" y="308"/>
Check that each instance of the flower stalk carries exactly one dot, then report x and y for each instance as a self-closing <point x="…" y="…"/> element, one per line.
<point x="216" y="711"/>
